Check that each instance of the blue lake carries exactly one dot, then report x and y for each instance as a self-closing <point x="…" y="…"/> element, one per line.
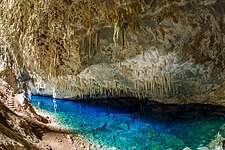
<point x="155" y="127"/>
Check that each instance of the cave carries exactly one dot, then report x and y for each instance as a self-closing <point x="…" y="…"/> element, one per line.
<point x="112" y="74"/>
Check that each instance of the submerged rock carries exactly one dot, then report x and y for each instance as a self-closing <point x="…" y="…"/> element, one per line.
<point x="122" y="126"/>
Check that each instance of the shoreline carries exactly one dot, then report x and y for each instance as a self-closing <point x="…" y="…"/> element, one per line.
<point x="82" y="141"/>
<point x="58" y="136"/>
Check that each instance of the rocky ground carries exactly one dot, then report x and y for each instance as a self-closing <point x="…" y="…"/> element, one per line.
<point x="21" y="128"/>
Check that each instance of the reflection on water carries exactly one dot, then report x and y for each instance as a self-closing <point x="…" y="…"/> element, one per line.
<point x="156" y="127"/>
<point x="54" y="104"/>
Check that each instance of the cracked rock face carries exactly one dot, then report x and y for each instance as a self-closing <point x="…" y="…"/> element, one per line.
<point x="168" y="51"/>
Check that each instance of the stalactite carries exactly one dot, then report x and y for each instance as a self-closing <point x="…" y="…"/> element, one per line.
<point x="123" y="69"/>
<point x="79" y="94"/>
<point x="68" y="50"/>
<point x="101" y="90"/>
<point x="97" y="39"/>
<point x="123" y="37"/>
<point x="135" y="85"/>
<point x="145" y="95"/>
<point x="133" y="94"/>
<point x="161" y="85"/>
<point x="82" y="94"/>
<point x="92" y="42"/>
<point x="132" y="27"/>
<point x="90" y="87"/>
<point x="169" y="82"/>
<point x="94" y="91"/>
<point x="165" y="85"/>
<point x="157" y="91"/>
<point x="146" y="85"/>
<point x="82" y="42"/>
<point x="50" y="71"/>
<point x="79" y="53"/>
<point x="54" y="61"/>
<point x="174" y="89"/>
<point x="126" y="90"/>
<point x="90" y="93"/>
<point x="130" y="8"/>
<point x="139" y="95"/>
<point x="57" y="59"/>
<point x="136" y="94"/>
<point x="153" y="69"/>
<point x="165" y="62"/>
<point x="90" y="45"/>
<point x="74" y="79"/>
<point x="89" y="49"/>
<point x="177" y="89"/>
<point x="153" y="85"/>
<point x="81" y="83"/>
<point x="110" y="91"/>
<point x="143" y="53"/>
<point x="67" y="86"/>
<point x="116" y="86"/>
<point x="139" y="85"/>
<point x="164" y="82"/>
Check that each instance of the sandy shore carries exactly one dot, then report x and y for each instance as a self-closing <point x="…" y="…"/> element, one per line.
<point x="59" y="137"/>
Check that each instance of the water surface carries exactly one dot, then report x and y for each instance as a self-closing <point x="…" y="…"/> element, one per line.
<point x="156" y="127"/>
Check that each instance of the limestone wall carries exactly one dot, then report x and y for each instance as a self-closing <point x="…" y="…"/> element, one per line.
<point x="169" y="51"/>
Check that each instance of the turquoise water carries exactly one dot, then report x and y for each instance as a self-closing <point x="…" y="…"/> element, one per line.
<point x="157" y="127"/>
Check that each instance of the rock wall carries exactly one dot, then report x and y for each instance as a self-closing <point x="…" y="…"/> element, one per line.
<point x="167" y="51"/>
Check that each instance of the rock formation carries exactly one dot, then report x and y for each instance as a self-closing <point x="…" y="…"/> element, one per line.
<point x="167" y="51"/>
